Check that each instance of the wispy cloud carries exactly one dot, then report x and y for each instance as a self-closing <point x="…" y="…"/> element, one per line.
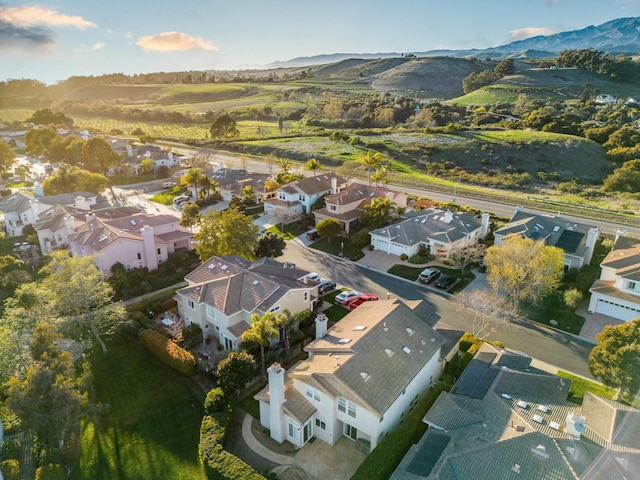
<point x="98" y="46"/>
<point x="129" y="35"/>
<point x="173" y="42"/>
<point x="84" y="48"/>
<point x="30" y="16"/>
<point x="28" y="28"/>
<point x="529" y="32"/>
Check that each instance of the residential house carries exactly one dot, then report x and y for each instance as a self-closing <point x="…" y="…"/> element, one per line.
<point x="438" y="230"/>
<point x="297" y="198"/>
<point x="347" y="206"/>
<point x="577" y="240"/>
<point x="617" y="292"/>
<point x="361" y="378"/>
<point x="505" y="419"/>
<point x="135" y="241"/>
<point x="14" y="134"/>
<point x="159" y="157"/>
<point x="20" y="210"/>
<point x="224" y="292"/>
<point x="231" y="182"/>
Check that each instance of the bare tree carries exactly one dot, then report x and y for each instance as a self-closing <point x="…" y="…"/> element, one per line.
<point x="463" y="255"/>
<point x="484" y="310"/>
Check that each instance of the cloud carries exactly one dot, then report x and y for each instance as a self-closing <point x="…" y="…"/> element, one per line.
<point x="98" y="46"/>
<point x="31" y="16"/>
<point x="529" y="32"/>
<point x="129" y="35"/>
<point x="173" y="42"/>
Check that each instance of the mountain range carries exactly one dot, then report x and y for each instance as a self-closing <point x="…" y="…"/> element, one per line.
<point x="616" y="36"/>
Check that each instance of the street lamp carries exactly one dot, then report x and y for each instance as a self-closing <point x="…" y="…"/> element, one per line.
<point x="455" y="191"/>
<point x="388" y="294"/>
<point x="342" y="249"/>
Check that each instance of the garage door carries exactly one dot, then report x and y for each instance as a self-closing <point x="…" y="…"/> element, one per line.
<point x="381" y="245"/>
<point x="616" y="310"/>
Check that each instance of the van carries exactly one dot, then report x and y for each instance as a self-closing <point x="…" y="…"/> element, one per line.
<point x="180" y="200"/>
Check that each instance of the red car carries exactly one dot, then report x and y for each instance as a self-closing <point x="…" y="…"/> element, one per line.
<point x="360" y="299"/>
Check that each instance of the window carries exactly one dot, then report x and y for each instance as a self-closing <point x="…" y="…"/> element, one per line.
<point x="313" y="393"/>
<point x="321" y="424"/>
<point x="281" y="196"/>
<point x="192" y="305"/>
<point x="302" y="198"/>
<point x="306" y="296"/>
<point x="139" y="256"/>
<point x="293" y="429"/>
<point x="632" y="285"/>
<point x="211" y="313"/>
<point x="332" y="208"/>
<point x="159" y="252"/>
<point x="347" y="407"/>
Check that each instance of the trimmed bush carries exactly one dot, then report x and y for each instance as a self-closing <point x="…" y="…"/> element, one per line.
<point x="10" y="469"/>
<point x="215" y="402"/>
<point x="169" y="352"/>
<point x="50" y="472"/>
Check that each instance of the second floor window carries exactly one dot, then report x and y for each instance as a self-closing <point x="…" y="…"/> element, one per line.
<point x="347" y="407"/>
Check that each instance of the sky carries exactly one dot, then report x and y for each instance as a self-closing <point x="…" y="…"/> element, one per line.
<point x="54" y="39"/>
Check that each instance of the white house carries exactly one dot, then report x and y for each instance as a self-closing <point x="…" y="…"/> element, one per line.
<point x="231" y="182"/>
<point x="223" y="292"/>
<point x="439" y="230"/>
<point x="298" y="197"/>
<point x="361" y="379"/>
<point x="617" y="292"/>
<point x="577" y="240"/>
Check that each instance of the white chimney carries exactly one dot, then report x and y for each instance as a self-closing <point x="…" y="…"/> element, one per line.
<point x="90" y="217"/>
<point x="334" y="185"/>
<point x="38" y="191"/>
<point x="519" y="208"/>
<point x="68" y="223"/>
<point x="592" y="237"/>
<point x="149" y="247"/>
<point x="170" y="156"/>
<point x="129" y="151"/>
<point x="620" y="233"/>
<point x="276" y="400"/>
<point x="485" y="223"/>
<point x="575" y="424"/>
<point x="321" y="325"/>
<point x="448" y="216"/>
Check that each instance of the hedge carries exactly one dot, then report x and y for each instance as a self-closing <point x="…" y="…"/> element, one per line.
<point x="10" y="469"/>
<point x="215" y="402"/>
<point x="50" y="472"/>
<point x="217" y="462"/>
<point x="169" y="352"/>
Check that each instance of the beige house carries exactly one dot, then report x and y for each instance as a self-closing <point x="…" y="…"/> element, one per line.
<point x="297" y="198"/>
<point x="347" y="205"/>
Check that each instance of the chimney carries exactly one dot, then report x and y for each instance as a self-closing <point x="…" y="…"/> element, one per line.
<point x="68" y="223"/>
<point x="620" y="233"/>
<point x="170" y="156"/>
<point x="321" y="325"/>
<point x="485" y="223"/>
<point x="149" y="248"/>
<point x="90" y="217"/>
<point x="448" y="216"/>
<point x="592" y="237"/>
<point x="38" y="191"/>
<point x="575" y="424"/>
<point x="518" y="208"/>
<point x="276" y="400"/>
<point x="129" y="151"/>
<point x="334" y="185"/>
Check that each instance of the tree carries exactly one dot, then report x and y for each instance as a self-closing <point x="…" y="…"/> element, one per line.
<point x="193" y="177"/>
<point x="624" y="179"/>
<point x="313" y="165"/>
<point x="370" y="160"/>
<point x="505" y="67"/>
<point x="381" y="175"/>
<point x="328" y="228"/>
<point x="484" y="310"/>
<point x="524" y="269"/>
<point x="38" y="140"/>
<point x="223" y="127"/>
<point x="7" y="156"/>
<point x="262" y="330"/>
<point x="48" y="117"/>
<point x="146" y="165"/>
<point x="99" y="156"/>
<point x="270" y="245"/>
<point x="190" y="215"/>
<point x="572" y="298"/>
<point x="616" y="358"/>
<point x="349" y="169"/>
<point x="270" y="160"/>
<point x="68" y="179"/>
<point x="249" y="195"/>
<point x="226" y="232"/>
<point x="234" y="372"/>
<point x="380" y="211"/>
<point x="285" y="165"/>
<point x="462" y="256"/>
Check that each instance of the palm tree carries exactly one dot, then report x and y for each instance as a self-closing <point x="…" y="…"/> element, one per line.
<point x="381" y="175"/>
<point x="249" y="194"/>
<point x="285" y="165"/>
<point x="61" y="180"/>
<point x="379" y="212"/>
<point x="313" y="165"/>
<point x="205" y="183"/>
<point x="192" y="177"/>
<point x="370" y="160"/>
<point x="262" y="330"/>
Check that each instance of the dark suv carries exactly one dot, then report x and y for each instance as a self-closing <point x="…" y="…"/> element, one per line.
<point x="313" y="234"/>
<point x="445" y="281"/>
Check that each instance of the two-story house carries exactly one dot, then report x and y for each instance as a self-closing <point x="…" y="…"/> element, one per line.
<point x="617" y="292"/>
<point x="135" y="241"/>
<point x="439" y="230"/>
<point x="347" y="206"/>
<point x="223" y="292"/>
<point x="297" y="198"/>
<point x="231" y="182"/>
<point x="361" y="379"/>
<point x="577" y="240"/>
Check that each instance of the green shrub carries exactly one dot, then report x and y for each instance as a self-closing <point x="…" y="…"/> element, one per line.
<point x="50" y="472"/>
<point x="215" y="402"/>
<point x="170" y="353"/>
<point x="361" y="238"/>
<point x="10" y="469"/>
<point x="466" y="342"/>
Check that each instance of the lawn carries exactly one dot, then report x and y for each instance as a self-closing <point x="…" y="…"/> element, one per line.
<point x="580" y="385"/>
<point x="164" y="198"/>
<point x="411" y="273"/>
<point x="552" y="308"/>
<point x="288" y="231"/>
<point x="341" y="247"/>
<point x="151" y="426"/>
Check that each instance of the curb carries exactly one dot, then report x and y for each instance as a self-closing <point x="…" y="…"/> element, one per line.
<point x="260" y="449"/>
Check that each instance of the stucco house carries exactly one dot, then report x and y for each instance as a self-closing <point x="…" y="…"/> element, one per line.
<point x="617" y="292"/>
<point x="439" y="230"/>
<point x="231" y="182"/>
<point x="223" y="292"/>
<point x="361" y="378"/>
<point x="577" y="240"/>
<point x="347" y="205"/>
<point x="297" y="198"/>
<point x="505" y="419"/>
<point x="136" y="241"/>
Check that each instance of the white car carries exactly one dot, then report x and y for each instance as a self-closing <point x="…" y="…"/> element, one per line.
<point x="343" y="298"/>
<point x="314" y="276"/>
<point x="181" y="199"/>
<point x="168" y="184"/>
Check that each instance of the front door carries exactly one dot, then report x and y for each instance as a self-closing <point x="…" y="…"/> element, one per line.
<point x="351" y="432"/>
<point x="228" y="343"/>
<point x="307" y="432"/>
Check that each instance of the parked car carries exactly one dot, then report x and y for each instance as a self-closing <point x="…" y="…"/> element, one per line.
<point x="355" y="302"/>
<point x="179" y="200"/>
<point x="314" y="276"/>
<point x="428" y="275"/>
<point x="445" y="281"/>
<point x="343" y="298"/>
<point x="168" y="184"/>
<point x="326" y="286"/>
<point x="313" y="234"/>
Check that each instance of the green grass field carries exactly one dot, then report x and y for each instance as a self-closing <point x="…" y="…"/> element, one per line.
<point x="579" y="386"/>
<point x="152" y="425"/>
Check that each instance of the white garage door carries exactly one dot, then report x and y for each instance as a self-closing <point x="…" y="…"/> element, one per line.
<point x="616" y="310"/>
<point x="381" y="245"/>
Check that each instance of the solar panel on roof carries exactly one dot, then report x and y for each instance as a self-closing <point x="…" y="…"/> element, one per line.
<point x="471" y="376"/>
<point x="569" y="240"/>
<point x="431" y="447"/>
<point x="484" y="383"/>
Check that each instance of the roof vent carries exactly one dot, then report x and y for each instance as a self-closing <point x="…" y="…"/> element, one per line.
<point x="384" y="325"/>
<point x="359" y="328"/>
<point x="523" y="404"/>
<point x="410" y="331"/>
<point x="344" y="340"/>
<point x="102" y="238"/>
<point x="389" y="352"/>
<point x="406" y="350"/>
<point x="537" y="419"/>
<point x="337" y="360"/>
<point x="365" y="376"/>
<point x="541" y="451"/>
<point x="516" y="468"/>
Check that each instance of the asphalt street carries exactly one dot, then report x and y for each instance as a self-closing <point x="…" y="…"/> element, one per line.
<point x="556" y="348"/>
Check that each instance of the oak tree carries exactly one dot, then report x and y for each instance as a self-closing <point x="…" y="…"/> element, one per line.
<point x="234" y="372"/>
<point x="328" y="228"/>
<point x="226" y="232"/>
